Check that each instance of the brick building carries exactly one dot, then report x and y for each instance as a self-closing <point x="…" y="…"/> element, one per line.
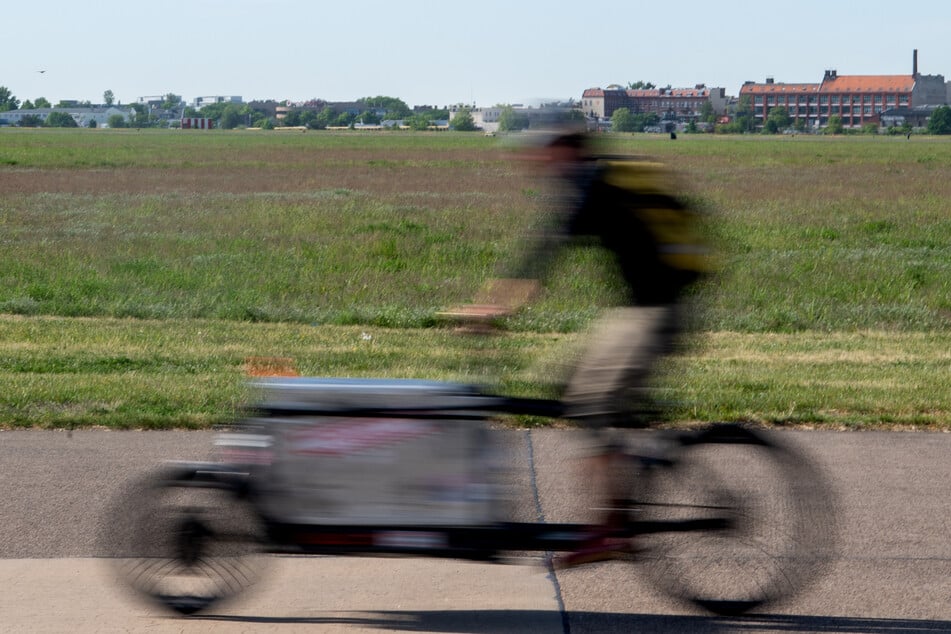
<point x="673" y="104"/>
<point x="856" y="99"/>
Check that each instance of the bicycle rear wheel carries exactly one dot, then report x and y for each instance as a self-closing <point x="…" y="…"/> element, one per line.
<point x="185" y="540"/>
<point x="740" y="520"/>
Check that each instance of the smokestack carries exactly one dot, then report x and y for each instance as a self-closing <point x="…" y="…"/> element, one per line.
<point x="914" y="63"/>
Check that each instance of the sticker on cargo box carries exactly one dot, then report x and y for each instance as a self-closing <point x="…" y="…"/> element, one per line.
<point x="356" y="436"/>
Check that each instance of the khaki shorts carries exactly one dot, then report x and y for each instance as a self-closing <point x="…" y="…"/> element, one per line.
<point x="626" y="345"/>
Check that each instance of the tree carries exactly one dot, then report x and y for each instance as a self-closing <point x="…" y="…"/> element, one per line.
<point x="292" y="118"/>
<point x="623" y="121"/>
<point x="7" y="100"/>
<point x="509" y="120"/>
<point x="171" y="102"/>
<point x="344" y="120"/>
<point x="463" y="121"/>
<point x="323" y="119"/>
<point x="777" y="120"/>
<point x="27" y="105"/>
<point x="108" y="98"/>
<point x="42" y="102"/>
<point x="231" y="117"/>
<point x="743" y="115"/>
<point x="645" y="119"/>
<point x="940" y="121"/>
<point x="31" y="121"/>
<point x="116" y="121"/>
<point x="835" y="125"/>
<point x="369" y="117"/>
<point x="57" y="119"/>
<point x="141" y="117"/>
<point x="639" y="85"/>
<point x="418" y="122"/>
<point x="395" y="108"/>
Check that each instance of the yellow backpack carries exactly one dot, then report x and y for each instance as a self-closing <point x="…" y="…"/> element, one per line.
<point x="673" y="223"/>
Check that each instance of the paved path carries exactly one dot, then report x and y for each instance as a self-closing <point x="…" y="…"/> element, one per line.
<point x="893" y="575"/>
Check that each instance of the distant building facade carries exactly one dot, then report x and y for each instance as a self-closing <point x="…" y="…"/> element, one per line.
<point x="82" y="116"/>
<point x="201" y="102"/>
<point x="674" y="104"/>
<point x="857" y="99"/>
<point x="484" y="118"/>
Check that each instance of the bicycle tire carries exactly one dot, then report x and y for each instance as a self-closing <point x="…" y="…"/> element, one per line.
<point x="777" y="520"/>
<point x="184" y="543"/>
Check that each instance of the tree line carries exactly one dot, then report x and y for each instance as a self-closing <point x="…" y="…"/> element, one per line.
<point x="318" y="114"/>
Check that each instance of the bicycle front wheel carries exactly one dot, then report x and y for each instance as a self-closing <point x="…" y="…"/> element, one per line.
<point x="736" y="519"/>
<point x="186" y="542"/>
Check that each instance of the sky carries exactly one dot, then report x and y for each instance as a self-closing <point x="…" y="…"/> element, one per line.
<point x="441" y="53"/>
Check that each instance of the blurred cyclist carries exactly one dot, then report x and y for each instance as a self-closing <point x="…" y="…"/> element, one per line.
<point x="628" y="207"/>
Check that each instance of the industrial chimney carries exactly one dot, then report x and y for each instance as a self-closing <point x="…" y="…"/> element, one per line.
<point x="914" y="63"/>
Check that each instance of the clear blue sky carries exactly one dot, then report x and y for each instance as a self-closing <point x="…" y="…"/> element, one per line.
<point x="440" y="53"/>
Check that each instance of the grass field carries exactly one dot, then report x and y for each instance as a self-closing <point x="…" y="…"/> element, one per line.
<point x="138" y="269"/>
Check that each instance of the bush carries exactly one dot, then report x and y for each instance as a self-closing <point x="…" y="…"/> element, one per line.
<point x="57" y="119"/>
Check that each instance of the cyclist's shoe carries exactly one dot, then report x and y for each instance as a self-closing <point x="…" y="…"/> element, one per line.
<point x="598" y="548"/>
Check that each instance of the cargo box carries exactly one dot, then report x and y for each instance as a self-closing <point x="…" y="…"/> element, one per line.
<point x="376" y="452"/>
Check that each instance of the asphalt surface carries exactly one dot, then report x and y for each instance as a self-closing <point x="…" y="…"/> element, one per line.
<point x="892" y="572"/>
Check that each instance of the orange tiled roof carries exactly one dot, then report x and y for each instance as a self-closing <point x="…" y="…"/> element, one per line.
<point x="779" y="88"/>
<point x="668" y="92"/>
<point x="649" y="92"/>
<point x="869" y="83"/>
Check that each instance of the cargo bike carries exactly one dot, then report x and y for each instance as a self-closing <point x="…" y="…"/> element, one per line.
<point x="725" y="516"/>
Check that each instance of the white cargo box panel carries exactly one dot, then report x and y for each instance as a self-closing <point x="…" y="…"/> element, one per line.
<point x="327" y="394"/>
<point x="384" y="468"/>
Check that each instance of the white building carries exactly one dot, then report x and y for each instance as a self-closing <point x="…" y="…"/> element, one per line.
<point x="82" y="116"/>
<point x="201" y="102"/>
<point x="485" y="118"/>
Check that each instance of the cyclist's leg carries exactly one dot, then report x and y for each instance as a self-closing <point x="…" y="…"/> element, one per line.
<point x="625" y="347"/>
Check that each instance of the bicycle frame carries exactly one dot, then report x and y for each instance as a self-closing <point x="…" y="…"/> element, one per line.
<point x="481" y="541"/>
<point x="320" y="467"/>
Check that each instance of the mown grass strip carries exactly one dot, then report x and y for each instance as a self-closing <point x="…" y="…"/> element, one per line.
<point x="122" y="373"/>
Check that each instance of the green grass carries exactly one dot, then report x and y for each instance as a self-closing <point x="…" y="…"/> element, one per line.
<point x="285" y="243"/>
<point x="128" y="373"/>
<point x="61" y="372"/>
